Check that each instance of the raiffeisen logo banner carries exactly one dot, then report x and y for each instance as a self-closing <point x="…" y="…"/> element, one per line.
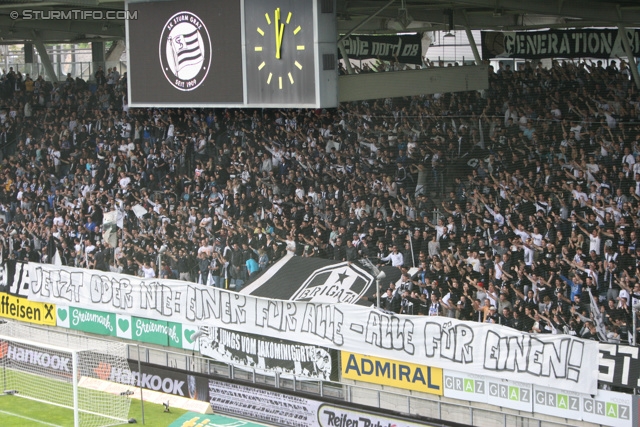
<point x="17" y="308"/>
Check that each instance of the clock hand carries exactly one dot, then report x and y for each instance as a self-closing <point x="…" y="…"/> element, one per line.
<point x="279" y="27"/>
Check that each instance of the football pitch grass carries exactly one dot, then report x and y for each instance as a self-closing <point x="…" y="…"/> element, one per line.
<point x="20" y="412"/>
<point x="16" y="411"/>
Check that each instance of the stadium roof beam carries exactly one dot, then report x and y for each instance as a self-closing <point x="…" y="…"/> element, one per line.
<point x="104" y="28"/>
<point x="367" y="19"/>
<point x="627" y="49"/>
<point x="472" y="41"/>
<point x="44" y="57"/>
<point x="579" y="9"/>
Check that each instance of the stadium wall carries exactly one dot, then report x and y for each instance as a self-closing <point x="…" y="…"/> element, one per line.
<point x="406" y="385"/>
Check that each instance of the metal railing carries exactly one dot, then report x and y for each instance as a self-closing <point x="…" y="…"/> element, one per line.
<point x="407" y="403"/>
<point x="410" y="404"/>
<point x="84" y="70"/>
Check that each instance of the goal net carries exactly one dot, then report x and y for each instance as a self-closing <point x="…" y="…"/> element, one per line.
<point x="55" y="368"/>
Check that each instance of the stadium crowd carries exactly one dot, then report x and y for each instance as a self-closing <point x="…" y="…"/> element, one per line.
<point x="513" y="203"/>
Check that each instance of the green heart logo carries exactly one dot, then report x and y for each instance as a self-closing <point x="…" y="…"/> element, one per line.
<point x="62" y="314"/>
<point x="123" y="324"/>
<point x="187" y="335"/>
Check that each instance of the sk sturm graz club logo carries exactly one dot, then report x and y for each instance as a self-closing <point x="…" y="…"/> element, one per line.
<point x="340" y="283"/>
<point x="185" y="51"/>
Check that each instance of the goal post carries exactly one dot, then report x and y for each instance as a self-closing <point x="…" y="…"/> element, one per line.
<point x="63" y="370"/>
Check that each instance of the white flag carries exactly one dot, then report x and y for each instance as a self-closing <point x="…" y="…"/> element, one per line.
<point x="109" y="218"/>
<point x="120" y="218"/>
<point x="139" y="211"/>
<point x="597" y="317"/>
<point x="57" y="261"/>
<point x="109" y="228"/>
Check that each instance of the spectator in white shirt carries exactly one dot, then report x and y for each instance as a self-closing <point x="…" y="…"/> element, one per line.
<point x="396" y="258"/>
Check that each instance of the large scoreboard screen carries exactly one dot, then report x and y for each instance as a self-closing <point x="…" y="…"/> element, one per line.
<point x="232" y="53"/>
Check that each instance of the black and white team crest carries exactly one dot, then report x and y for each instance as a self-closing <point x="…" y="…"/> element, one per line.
<point x="338" y="283"/>
<point x="185" y="51"/>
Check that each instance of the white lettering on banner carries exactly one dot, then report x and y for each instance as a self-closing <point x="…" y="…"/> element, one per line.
<point x="83" y="316"/>
<point x="568" y="362"/>
<point x="32" y="357"/>
<point x="18" y="284"/>
<point x="356" y="47"/>
<point x="619" y="365"/>
<point x="268" y="349"/>
<point x="145" y="327"/>
<point x="602" y="43"/>
<point x="151" y="382"/>
<point x="383" y="47"/>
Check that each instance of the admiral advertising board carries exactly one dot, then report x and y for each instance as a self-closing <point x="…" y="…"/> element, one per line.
<point x="405" y="375"/>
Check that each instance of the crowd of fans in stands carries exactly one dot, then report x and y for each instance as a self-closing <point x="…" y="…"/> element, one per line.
<point x="513" y="203"/>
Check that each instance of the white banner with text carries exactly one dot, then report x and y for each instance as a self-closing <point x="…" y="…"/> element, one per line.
<point x="567" y="362"/>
